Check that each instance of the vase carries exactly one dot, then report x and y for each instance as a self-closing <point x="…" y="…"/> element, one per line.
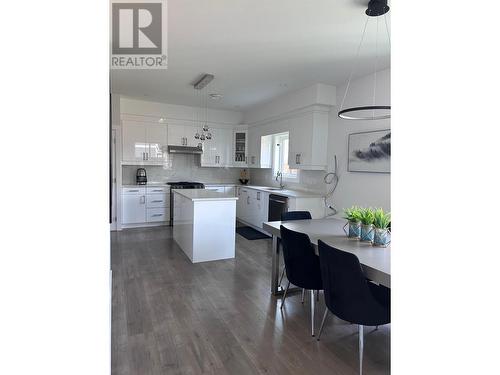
<point x="354" y="229"/>
<point x="367" y="233"/>
<point x="381" y="237"/>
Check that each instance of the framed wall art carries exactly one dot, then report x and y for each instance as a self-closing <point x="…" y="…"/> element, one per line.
<point x="370" y="152"/>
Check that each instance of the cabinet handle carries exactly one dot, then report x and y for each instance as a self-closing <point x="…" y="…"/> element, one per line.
<point x="297" y="159"/>
<point x="157" y="201"/>
<point x="248" y="200"/>
<point x="258" y="195"/>
<point x="147" y="155"/>
<point x="253" y="159"/>
<point x="246" y="159"/>
<point x="156" y="215"/>
<point x="133" y="191"/>
<point x="143" y="199"/>
<point x="157" y="190"/>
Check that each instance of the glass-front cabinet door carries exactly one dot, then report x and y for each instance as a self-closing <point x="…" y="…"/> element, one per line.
<point x="240" y="148"/>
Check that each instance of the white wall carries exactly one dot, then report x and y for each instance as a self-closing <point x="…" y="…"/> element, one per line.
<point x="178" y="112"/>
<point x="355" y="188"/>
<point x="317" y="94"/>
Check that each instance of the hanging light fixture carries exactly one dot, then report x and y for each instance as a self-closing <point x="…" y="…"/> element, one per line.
<point x="199" y="85"/>
<point x="376" y="8"/>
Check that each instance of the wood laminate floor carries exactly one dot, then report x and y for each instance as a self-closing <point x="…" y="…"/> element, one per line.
<point x="170" y="316"/>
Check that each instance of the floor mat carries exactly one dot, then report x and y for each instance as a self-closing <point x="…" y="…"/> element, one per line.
<point x="250" y="233"/>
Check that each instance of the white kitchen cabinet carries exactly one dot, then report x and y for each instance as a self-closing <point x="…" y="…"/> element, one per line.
<point x="308" y="141"/>
<point x="143" y="143"/>
<point x="159" y="214"/>
<point x="157" y="200"/>
<point x="142" y="205"/>
<point x="266" y="151"/>
<point x="242" y="210"/>
<point x="253" y="148"/>
<point x="182" y="135"/>
<point x="134" y="144"/>
<point x="218" y="189"/>
<point x="230" y="190"/>
<point x="252" y="206"/>
<point x="210" y="157"/>
<point x="259" y="149"/>
<point x="258" y="207"/>
<point x="240" y="148"/>
<point x="217" y="151"/>
<point x="156" y="138"/>
<point x="133" y="208"/>
<point x="176" y="135"/>
<point x="189" y="133"/>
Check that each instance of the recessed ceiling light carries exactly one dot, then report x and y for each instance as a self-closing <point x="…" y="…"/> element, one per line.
<point x="161" y="119"/>
<point x="216" y="96"/>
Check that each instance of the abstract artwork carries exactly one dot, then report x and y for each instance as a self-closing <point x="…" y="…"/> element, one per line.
<point x="370" y="152"/>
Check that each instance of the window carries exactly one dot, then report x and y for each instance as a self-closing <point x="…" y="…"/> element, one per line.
<point x="281" y="144"/>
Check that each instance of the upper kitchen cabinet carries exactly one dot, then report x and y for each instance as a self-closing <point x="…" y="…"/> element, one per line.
<point x="217" y="151"/>
<point x="240" y="147"/>
<point x="308" y="141"/>
<point x="182" y="135"/>
<point x="259" y="149"/>
<point x="143" y="142"/>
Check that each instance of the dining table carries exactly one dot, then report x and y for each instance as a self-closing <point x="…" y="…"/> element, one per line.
<point x="375" y="261"/>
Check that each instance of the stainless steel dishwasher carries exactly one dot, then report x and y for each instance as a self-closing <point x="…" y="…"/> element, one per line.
<point x="277" y="205"/>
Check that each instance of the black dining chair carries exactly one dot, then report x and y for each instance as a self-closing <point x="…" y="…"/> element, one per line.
<point x="349" y="295"/>
<point x="301" y="264"/>
<point x="290" y="216"/>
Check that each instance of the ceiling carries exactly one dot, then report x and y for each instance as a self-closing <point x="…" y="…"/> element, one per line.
<point x="257" y="50"/>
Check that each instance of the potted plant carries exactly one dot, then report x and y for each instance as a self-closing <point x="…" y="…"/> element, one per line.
<point x="381" y="222"/>
<point x="353" y="216"/>
<point x="367" y="219"/>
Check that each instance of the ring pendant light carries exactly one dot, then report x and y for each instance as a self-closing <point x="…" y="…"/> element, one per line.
<point x="376" y="8"/>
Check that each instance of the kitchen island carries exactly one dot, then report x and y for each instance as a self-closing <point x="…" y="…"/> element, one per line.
<point x="204" y="224"/>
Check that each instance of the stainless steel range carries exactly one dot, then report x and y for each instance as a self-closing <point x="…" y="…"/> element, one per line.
<point x="181" y="185"/>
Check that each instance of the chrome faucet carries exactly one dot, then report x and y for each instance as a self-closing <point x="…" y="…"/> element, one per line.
<point x="279" y="175"/>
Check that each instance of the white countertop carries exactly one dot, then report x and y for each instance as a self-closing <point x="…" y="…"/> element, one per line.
<point x="203" y="195"/>
<point x="285" y="192"/>
<point x="152" y="184"/>
<point x="165" y="184"/>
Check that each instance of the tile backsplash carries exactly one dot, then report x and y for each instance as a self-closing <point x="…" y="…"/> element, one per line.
<point x="185" y="167"/>
<point x="307" y="180"/>
<point x="182" y="167"/>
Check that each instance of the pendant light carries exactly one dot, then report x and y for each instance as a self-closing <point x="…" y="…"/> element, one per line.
<point x="375" y="111"/>
<point x="199" y="85"/>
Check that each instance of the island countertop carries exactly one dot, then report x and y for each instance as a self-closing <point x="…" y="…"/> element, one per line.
<point x="203" y="195"/>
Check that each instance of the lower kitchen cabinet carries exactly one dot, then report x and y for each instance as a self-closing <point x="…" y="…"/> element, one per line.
<point x="144" y="205"/>
<point x="154" y="215"/>
<point x="252" y="206"/>
<point x="133" y="208"/>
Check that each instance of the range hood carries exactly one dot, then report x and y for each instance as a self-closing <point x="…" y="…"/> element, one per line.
<point x="185" y="150"/>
